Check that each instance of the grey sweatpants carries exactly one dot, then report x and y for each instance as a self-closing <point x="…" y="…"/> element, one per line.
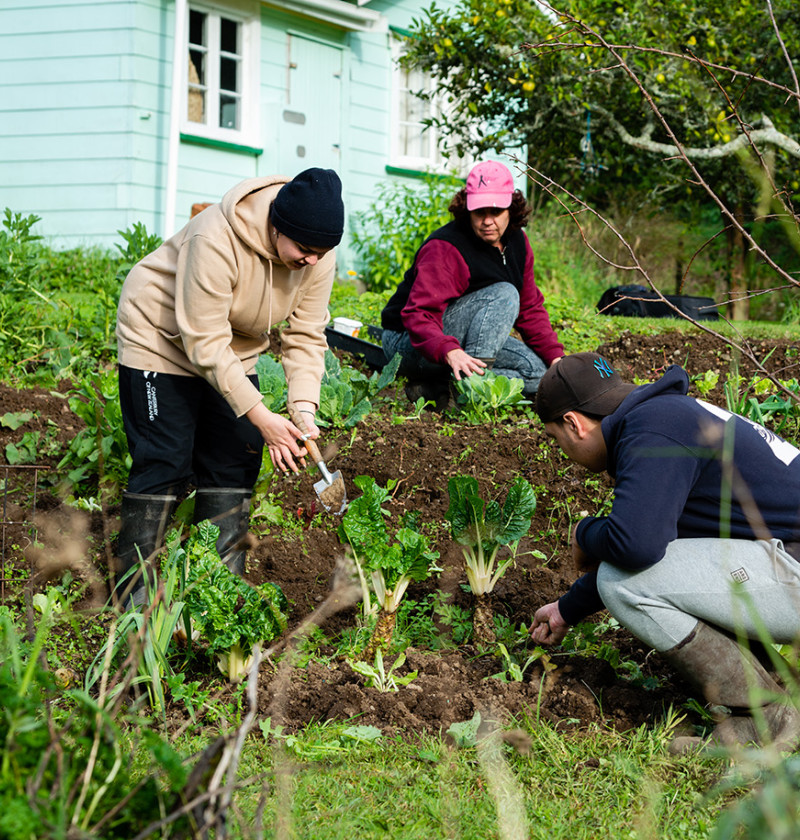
<point x="738" y="585"/>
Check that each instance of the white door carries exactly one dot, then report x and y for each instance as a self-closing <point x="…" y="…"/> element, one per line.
<point x="311" y="122"/>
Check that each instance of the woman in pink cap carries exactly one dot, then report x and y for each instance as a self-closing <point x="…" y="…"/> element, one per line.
<point x="471" y="283"/>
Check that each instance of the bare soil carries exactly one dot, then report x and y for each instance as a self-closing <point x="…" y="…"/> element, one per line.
<point x="455" y="680"/>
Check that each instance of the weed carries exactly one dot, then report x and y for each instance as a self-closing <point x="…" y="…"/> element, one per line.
<point x="585" y="639"/>
<point x="432" y="622"/>
<point x="14" y="419"/>
<point x="419" y="406"/>
<point x="778" y="411"/>
<point x="32" y="447"/>
<point x="138" y="244"/>
<point x="152" y="629"/>
<point x="65" y="767"/>
<point x="514" y="669"/>
<point x="706" y="383"/>
<point x="268" y="516"/>
<point x="99" y="452"/>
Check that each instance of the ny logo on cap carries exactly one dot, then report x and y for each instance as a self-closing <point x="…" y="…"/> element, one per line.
<point x="603" y="368"/>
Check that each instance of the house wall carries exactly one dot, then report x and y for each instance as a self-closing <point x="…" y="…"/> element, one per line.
<point x="68" y="136"/>
<point x="370" y="115"/>
<point x="85" y="104"/>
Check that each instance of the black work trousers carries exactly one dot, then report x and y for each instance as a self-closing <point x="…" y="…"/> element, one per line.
<point x="181" y="431"/>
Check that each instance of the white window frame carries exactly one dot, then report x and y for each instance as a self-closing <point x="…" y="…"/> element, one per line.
<point x="432" y="160"/>
<point x="246" y="14"/>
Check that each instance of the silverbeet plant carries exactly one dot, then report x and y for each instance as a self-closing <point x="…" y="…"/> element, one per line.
<point x="482" y="528"/>
<point x="389" y="565"/>
<point x="227" y="613"/>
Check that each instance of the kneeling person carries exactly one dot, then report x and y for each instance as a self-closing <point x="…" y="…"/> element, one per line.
<point x="702" y="541"/>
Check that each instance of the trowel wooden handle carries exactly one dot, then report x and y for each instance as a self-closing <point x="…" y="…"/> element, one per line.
<point x="311" y="446"/>
<point x="313" y="450"/>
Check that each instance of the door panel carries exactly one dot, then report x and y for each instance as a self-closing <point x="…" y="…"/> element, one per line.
<point x="311" y="124"/>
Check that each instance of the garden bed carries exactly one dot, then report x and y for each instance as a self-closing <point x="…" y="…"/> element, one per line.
<point x="454" y="680"/>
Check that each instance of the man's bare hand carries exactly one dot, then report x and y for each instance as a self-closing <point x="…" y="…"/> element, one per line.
<point x="548" y="627"/>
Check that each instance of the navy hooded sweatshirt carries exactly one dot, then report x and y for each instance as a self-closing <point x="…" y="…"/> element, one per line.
<point x="682" y="469"/>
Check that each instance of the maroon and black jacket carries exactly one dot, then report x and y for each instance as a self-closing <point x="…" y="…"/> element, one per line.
<point x="453" y="262"/>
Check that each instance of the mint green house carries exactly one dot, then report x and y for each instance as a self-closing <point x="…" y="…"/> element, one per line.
<point x="127" y="111"/>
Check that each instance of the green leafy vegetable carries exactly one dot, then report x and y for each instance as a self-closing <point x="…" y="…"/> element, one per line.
<point x="229" y="614"/>
<point x="483" y="528"/>
<point x="391" y="566"/>
<point x="379" y="677"/>
<point x="489" y="397"/>
<point x="346" y="394"/>
<point x="271" y="382"/>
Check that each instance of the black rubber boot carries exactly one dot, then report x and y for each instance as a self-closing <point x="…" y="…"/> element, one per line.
<point x="761" y="712"/>
<point x="144" y="521"/>
<point x="229" y="509"/>
<point x="436" y="391"/>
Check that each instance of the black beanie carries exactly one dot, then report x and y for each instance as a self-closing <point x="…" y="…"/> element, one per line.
<point x="309" y="209"/>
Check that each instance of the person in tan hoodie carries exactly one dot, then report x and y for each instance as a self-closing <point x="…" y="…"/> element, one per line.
<point x="193" y="317"/>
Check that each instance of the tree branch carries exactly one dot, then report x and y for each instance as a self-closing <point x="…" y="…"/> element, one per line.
<point x="768" y="134"/>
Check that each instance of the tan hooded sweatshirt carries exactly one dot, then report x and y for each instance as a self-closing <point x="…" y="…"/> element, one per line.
<point x="202" y="304"/>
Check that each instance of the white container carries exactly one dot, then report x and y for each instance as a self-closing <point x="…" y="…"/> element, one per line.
<point x="347" y="326"/>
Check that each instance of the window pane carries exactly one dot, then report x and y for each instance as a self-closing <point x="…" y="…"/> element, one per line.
<point x="197" y="28"/>
<point x="229" y="74"/>
<point x="229" y="36"/>
<point x="196" y="100"/>
<point x="412" y="142"/>
<point x="197" y="68"/>
<point x="197" y="106"/>
<point x="229" y="111"/>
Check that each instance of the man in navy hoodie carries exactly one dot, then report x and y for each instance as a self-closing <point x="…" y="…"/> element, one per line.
<point x="702" y="544"/>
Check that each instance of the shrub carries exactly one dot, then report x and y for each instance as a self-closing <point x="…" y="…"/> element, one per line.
<point x="388" y="235"/>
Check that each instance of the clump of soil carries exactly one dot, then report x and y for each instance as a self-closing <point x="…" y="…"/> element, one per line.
<point x="454" y="682"/>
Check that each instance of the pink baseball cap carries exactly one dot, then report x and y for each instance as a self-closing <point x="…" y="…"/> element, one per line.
<point x="489" y="184"/>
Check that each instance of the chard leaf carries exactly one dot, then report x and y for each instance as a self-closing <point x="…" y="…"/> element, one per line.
<point x="364" y="527"/>
<point x="418" y="559"/>
<point x="466" y="508"/>
<point x="518" y="511"/>
<point x="489" y="525"/>
<point x="225" y="609"/>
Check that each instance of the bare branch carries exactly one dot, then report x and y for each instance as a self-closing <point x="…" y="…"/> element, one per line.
<point x="557" y="192"/>
<point x="789" y="62"/>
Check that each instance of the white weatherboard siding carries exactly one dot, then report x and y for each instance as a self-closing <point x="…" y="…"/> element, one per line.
<point x="71" y="77"/>
<point x="85" y="103"/>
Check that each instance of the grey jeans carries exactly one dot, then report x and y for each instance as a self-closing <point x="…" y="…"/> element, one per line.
<point x="738" y="585"/>
<point x="481" y="322"/>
